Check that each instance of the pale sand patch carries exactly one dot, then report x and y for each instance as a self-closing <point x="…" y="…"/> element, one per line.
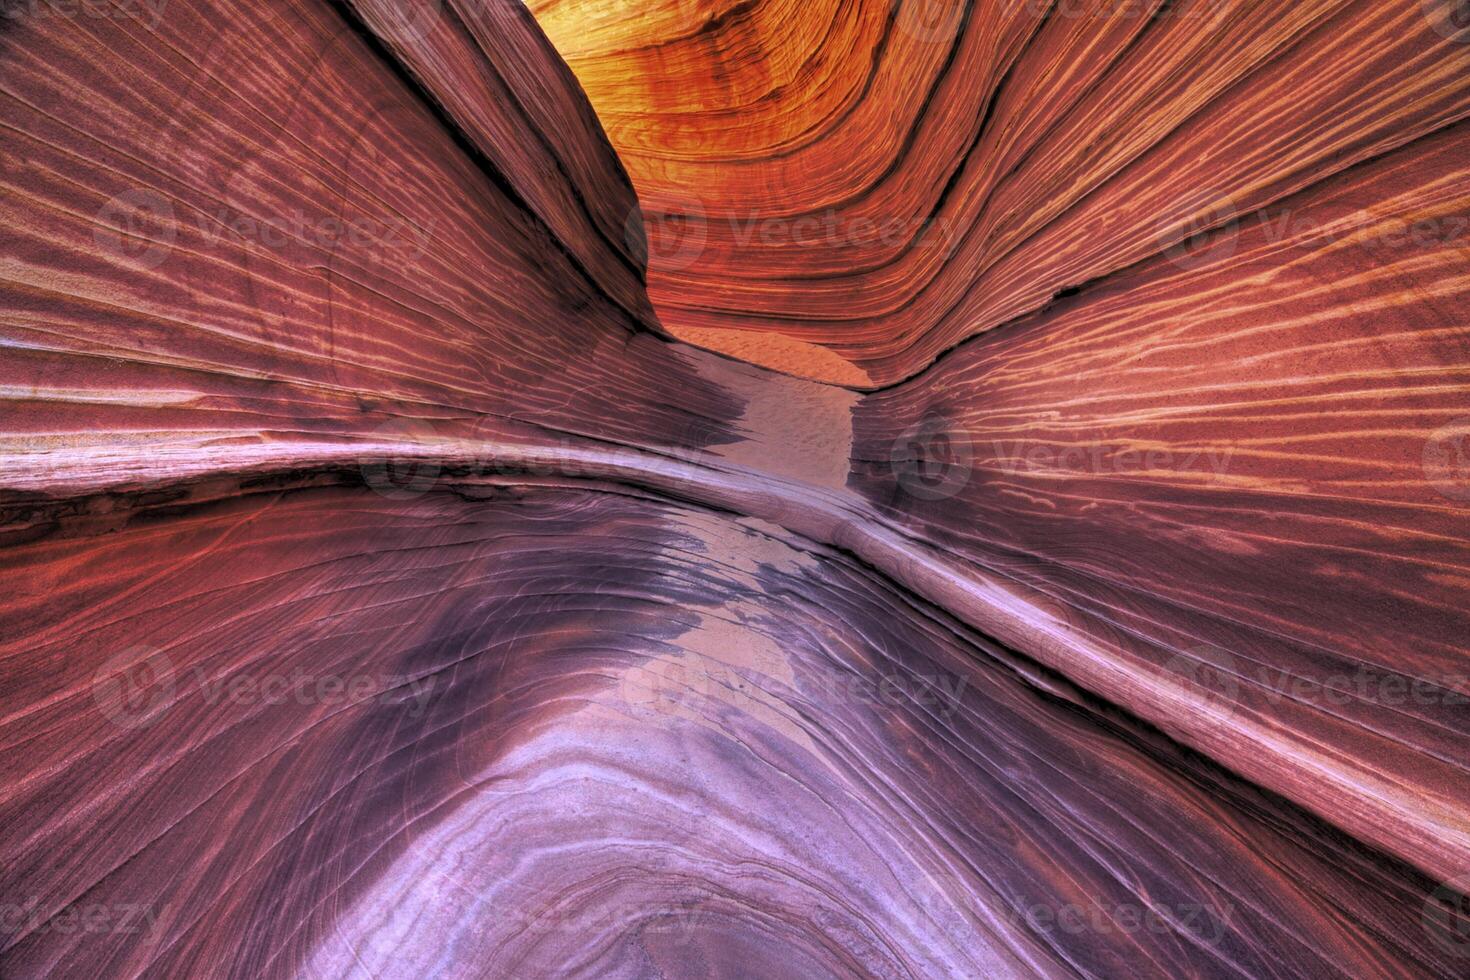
<point x="795" y="429"/>
<point x="777" y="352"/>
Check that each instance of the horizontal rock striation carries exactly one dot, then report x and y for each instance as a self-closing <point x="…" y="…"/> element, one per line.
<point x="882" y="180"/>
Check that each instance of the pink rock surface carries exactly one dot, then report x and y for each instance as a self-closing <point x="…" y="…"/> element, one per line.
<point x="392" y="592"/>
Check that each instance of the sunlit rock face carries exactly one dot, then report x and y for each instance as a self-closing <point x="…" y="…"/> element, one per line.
<point x="1005" y="515"/>
<point x="845" y="189"/>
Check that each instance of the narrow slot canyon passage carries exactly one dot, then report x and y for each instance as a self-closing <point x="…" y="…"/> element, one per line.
<point x="735" y="488"/>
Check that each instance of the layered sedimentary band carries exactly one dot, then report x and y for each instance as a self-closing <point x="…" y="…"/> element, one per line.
<point x="881" y="180"/>
<point x="1073" y="584"/>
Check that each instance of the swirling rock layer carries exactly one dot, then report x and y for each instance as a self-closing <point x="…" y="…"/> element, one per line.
<point x="864" y="185"/>
<point x="393" y="592"/>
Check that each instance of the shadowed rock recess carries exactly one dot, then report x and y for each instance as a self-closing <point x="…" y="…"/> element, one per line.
<point x="735" y="488"/>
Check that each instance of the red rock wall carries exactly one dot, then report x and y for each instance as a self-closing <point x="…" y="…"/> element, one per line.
<point x="395" y="587"/>
<point x="884" y="180"/>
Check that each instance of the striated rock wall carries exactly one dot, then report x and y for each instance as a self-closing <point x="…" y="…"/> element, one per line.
<point x="396" y="585"/>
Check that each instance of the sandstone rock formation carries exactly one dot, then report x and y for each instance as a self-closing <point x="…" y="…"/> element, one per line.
<point x="898" y="488"/>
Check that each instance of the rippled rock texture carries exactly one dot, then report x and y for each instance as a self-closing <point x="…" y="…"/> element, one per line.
<point x="894" y="488"/>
